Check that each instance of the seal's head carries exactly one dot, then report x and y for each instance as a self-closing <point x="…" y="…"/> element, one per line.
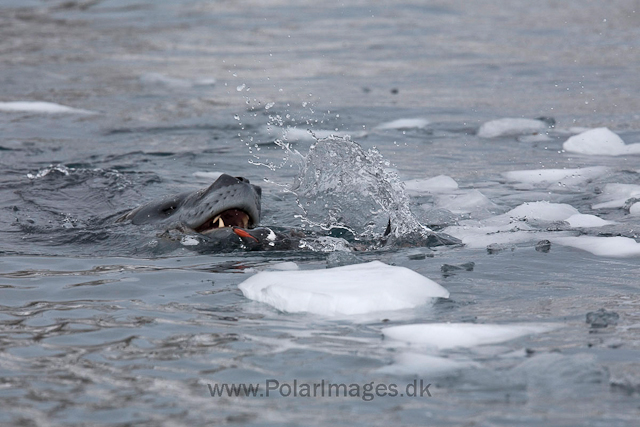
<point x="228" y="202"/>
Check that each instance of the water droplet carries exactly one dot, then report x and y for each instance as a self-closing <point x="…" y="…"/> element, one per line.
<point x="269" y="105"/>
<point x="241" y="87"/>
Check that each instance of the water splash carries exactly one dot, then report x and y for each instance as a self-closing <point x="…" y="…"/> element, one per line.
<point x="340" y="185"/>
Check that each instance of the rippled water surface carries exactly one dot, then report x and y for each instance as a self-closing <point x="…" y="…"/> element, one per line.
<point x="102" y="323"/>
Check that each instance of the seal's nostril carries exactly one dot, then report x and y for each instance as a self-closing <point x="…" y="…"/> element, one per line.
<point x="242" y="179"/>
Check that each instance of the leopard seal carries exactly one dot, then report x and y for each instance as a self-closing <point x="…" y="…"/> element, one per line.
<point x="226" y="215"/>
<point x="228" y="202"/>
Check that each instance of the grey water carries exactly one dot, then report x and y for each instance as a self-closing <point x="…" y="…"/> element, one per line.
<point x="96" y="329"/>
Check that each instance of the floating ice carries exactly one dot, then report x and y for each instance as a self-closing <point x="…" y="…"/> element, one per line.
<point x="543" y="211"/>
<point x="617" y="247"/>
<point x="511" y="127"/>
<point x="174" y="82"/>
<point x="634" y="209"/>
<point x="352" y="289"/>
<point x="410" y="363"/>
<point x="451" y="335"/>
<point x="547" y="177"/>
<point x="515" y="226"/>
<point x="469" y="201"/>
<point x="586" y="221"/>
<point x="40" y="107"/>
<point x="404" y="124"/>
<point x="599" y="141"/>
<point x="440" y="183"/>
<point x="616" y="195"/>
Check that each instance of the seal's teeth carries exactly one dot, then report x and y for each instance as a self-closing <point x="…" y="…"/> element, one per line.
<point x="214" y="222"/>
<point x="221" y="222"/>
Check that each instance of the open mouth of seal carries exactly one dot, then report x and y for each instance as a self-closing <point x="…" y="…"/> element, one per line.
<point x="228" y="218"/>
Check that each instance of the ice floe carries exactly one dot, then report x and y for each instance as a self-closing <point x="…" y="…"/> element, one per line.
<point x="586" y="221"/>
<point x="401" y="124"/>
<point x="464" y="202"/>
<point x="549" y="177"/>
<point x="443" y="336"/>
<point x="511" y="127"/>
<point x="440" y="183"/>
<point x="348" y="290"/>
<point x="599" y="141"/>
<point x="174" y="82"/>
<point x="616" y="195"/>
<point x="40" y="107"/>
<point x="542" y="211"/>
<point x="616" y="247"/>
<point x="517" y="225"/>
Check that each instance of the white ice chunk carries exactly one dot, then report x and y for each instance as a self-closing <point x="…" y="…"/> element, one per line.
<point x="352" y="289"/>
<point x="617" y="247"/>
<point x="469" y="201"/>
<point x="451" y="335"/>
<point x="423" y="364"/>
<point x="511" y="127"/>
<point x="440" y="183"/>
<point x="616" y="195"/>
<point x="599" y="141"/>
<point x="509" y="228"/>
<point x="634" y="209"/>
<point x="404" y="124"/>
<point x="586" y="221"/>
<point x="546" y="177"/>
<point x="544" y="211"/>
<point x="39" y="107"/>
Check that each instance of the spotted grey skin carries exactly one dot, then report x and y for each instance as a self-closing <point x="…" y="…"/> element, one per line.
<point x="192" y="210"/>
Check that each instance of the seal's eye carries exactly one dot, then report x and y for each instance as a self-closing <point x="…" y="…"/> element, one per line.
<point x="169" y="210"/>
